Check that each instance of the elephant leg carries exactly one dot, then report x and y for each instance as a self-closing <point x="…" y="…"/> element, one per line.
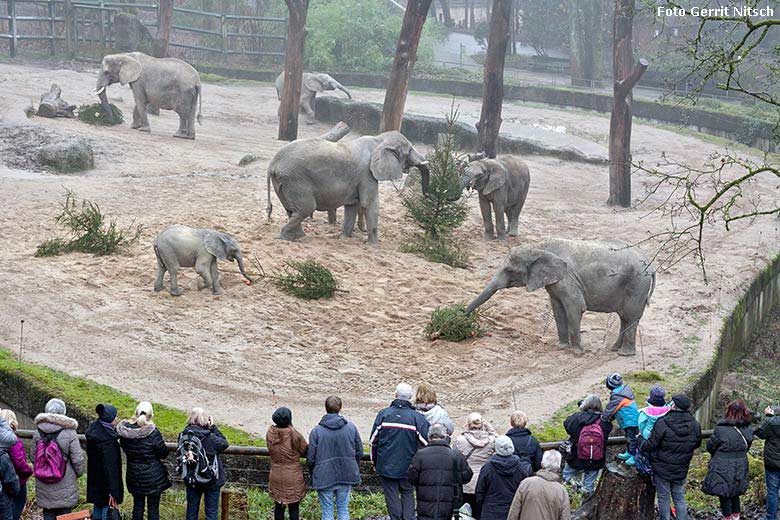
<point x="498" y="209"/>
<point x="362" y="220"/>
<point x="573" y="321"/>
<point x="173" y="273"/>
<point x="293" y="229"/>
<point x="158" y="282"/>
<point x="203" y="268"/>
<point x="372" y="222"/>
<point x="350" y="213"/>
<point x="513" y="214"/>
<point x="214" y="272"/>
<point x="181" y="133"/>
<point x="332" y="217"/>
<point x="136" y="119"/>
<point x="560" y="322"/>
<point x="487" y="218"/>
<point x="626" y="341"/>
<point x="140" y="106"/>
<point x="307" y="105"/>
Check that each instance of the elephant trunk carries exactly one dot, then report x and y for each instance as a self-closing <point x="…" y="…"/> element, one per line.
<point x="344" y="90"/>
<point x="240" y="261"/>
<point x="100" y="90"/>
<point x="498" y="282"/>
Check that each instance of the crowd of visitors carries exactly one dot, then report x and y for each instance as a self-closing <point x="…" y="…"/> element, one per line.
<point x="423" y="473"/>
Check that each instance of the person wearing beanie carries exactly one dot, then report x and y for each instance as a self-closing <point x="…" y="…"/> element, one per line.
<point x="104" y="463"/>
<point x="621" y="406"/>
<point x="476" y="443"/>
<point x="286" y="447"/>
<point x="438" y="472"/>
<point x="18" y="454"/>
<point x="398" y="432"/>
<point x="656" y="408"/>
<point x="499" y="479"/>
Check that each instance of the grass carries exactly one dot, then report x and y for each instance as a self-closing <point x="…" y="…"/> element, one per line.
<point x="451" y="323"/>
<point x="95" y="115"/>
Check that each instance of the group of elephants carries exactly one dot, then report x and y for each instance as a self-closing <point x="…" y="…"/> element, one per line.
<point x="317" y="174"/>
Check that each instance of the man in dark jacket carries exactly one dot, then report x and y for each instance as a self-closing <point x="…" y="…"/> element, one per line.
<point x="590" y="414"/>
<point x="525" y="444"/>
<point x="770" y="432"/>
<point x="104" y="462"/>
<point x="334" y="455"/>
<point x="674" y="439"/>
<point x="202" y="426"/>
<point x="398" y="431"/>
<point x="499" y="479"/>
<point x="438" y="472"/>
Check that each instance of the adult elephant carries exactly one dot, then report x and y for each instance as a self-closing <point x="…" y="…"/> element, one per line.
<point x="166" y="83"/>
<point x="311" y="84"/>
<point x="315" y="174"/>
<point x="580" y="275"/>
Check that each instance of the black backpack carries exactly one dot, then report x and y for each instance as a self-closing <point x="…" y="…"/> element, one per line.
<point x="192" y="462"/>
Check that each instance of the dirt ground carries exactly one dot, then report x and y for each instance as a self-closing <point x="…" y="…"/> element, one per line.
<point x="244" y="352"/>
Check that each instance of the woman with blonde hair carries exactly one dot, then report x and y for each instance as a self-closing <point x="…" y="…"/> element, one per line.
<point x="145" y="449"/>
<point x="477" y="444"/>
<point x="201" y="426"/>
<point x="19" y="461"/>
<point x="426" y="403"/>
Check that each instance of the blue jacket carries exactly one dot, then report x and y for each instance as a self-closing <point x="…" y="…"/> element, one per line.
<point x="497" y="484"/>
<point x="335" y="450"/>
<point x="621" y="406"/>
<point x="398" y="431"/>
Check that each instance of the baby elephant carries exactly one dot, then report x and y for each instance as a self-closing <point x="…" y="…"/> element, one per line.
<point x="503" y="183"/>
<point x="182" y="246"/>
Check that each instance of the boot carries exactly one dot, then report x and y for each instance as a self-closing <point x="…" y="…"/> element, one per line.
<point x="630" y="461"/>
<point x="624" y="456"/>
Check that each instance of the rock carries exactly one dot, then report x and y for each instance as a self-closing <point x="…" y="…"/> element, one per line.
<point x="248" y="159"/>
<point x="132" y="35"/>
<point x="67" y="156"/>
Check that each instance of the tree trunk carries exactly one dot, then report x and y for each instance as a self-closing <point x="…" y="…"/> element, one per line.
<point x="52" y="104"/>
<point x="446" y="13"/>
<point x="293" y="70"/>
<point x="620" y="122"/>
<point x="622" y="493"/>
<point x="586" y="40"/>
<point x="164" y="26"/>
<point x="493" y="92"/>
<point x="466" y="11"/>
<point x="405" y="56"/>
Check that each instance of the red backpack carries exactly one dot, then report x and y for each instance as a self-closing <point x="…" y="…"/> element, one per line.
<point x="590" y="445"/>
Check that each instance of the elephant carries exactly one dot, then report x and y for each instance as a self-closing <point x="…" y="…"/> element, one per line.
<point x="311" y="84"/>
<point x="315" y="174"/>
<point x="503" y="184"/>
<point x="580" y="275"/>
<point x="181" y="246"/>
<point x="166" y="83"/>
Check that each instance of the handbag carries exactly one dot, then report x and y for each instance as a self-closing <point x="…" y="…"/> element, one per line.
<point x="113" y="513"/>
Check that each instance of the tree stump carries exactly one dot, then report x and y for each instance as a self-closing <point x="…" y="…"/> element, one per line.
<point x="337" y="132"/>
<point x="622" y="494"/>
<point x="52" y="105"/>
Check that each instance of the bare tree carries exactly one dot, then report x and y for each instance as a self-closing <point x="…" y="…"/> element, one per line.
<point x="293" y="69"/>
<point x="164" y="27"/>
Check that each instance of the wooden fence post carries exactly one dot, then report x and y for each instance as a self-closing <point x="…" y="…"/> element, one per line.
<point x="12" y="27"/>
<point x="293" y="69"/>
<point x="69" y="25"/>
<point x="51" y="27"/>
<point x="223" y="30"/>
<point x="225" y="515"/>
<point x="101" y="29"/>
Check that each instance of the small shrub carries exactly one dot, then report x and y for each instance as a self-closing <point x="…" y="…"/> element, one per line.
<point x="51" y="247"/>
<point x="308" y="279"/>
<point x="442" y="250"/>
<point x="95" y="115"/>
<point x="451" y="323"/>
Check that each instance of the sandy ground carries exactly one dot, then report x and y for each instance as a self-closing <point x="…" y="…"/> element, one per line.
<point x="243" y="352"/>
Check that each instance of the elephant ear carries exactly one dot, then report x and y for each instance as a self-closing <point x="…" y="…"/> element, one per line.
<point x="386" y="163"/>
<point x="129" y="70"/>
<point x="545" y="270"/>
<point x="215" y="246"/>
<point x="497" y="176"/>
<point x="314" y="82"/>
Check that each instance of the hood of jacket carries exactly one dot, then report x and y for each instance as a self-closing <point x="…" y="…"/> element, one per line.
<point x="680" y="422"/>
<point x="51" y="422"/>
<point x="624" y="391"/>
<point x="656" y="411"/>
<point x="199" y="431"/>
<point x="506" y="465"/>
<point x="478" y="438"/>
<point x="727" y="422"/>
<point x="518" y="432"/>
<point x="548" y="475"/>
<point x="333" y="421"/>
<point x="401" y="403"/>
<point x="277" y="435"/>
<point x="128" y="430"/>
<point x="98" y="432"/>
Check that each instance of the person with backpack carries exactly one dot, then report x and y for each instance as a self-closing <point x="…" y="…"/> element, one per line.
<point x="58" y="461"/>
<point x="672" y="443"/>
<point x="621" y="406"/>
<point x="476" y="443"/>
<point x="145" y="451"/>
<point x="286" y="446"/>
<point x="19" y="459"/>
<point x="525" y="443"/>
<point x="499" y="479"/>
<point x="104" y="463"/>
<point x="770" y="432"/>
<point x="588" y="433"/>
<point x="10" y="485"/>
<point x="427" y="404"/>
<point x="728" y="474"/>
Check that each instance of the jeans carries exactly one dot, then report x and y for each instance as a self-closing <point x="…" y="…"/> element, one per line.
<point x="729" y="506"/>
<point x="772" y="488"/>
<point x="210" y="498"/>
<point x="152" y="503"/>
<point x="589" y="477"/>
<point x="20" y="501"/>
<point x="52" y="514"/>
<point x="341" y="494"/>
<point x="399" y="508"/>
<point x="99" y="512"/>
<point x="631" y="432"/>
<point x="666" y="491"/>
<point x="279" y="510"/>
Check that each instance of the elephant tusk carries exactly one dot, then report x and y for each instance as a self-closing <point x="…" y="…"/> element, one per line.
<point x="99" y="91"/>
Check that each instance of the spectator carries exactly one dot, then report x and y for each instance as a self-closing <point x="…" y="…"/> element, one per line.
<point x="59" y="497"/>
<point x="145" y="449"/>
<point x="542" y="497"/>
<point x="426" y="403"/>
<point x="728" y="475"/>
<point x="621" y="406"/>
<point x="335" y="452"/>
<point x="438" y="473"/>
<point x="525" y="444"/>
<point x="202" y="426"/>
<point x="476" y="443"/>
<point x="770" y="432"/>
<point x="19" y="459"/>
<point x="104" y="463"/>
<point x="286" y="447"/>
<point x="10" y="484"/>
<point x="674" y="439"/>
<point x="588" y="433"/>
<point x="499" y="479"/>
<point x="656" y="409"/>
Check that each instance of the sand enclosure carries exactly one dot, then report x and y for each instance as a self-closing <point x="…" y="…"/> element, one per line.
<point x="243" y="352"/>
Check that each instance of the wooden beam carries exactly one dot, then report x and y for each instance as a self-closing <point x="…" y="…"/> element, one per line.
<point x="293" y="69"/>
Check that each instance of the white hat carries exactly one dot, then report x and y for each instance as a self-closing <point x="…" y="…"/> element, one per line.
<point x="404" y="391"/>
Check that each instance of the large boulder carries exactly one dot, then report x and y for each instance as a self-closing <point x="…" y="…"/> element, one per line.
<point x="67" y="155"/>
<point x="132" y="35"/>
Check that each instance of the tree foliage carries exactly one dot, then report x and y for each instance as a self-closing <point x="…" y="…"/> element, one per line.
<point x="545" y="23"/>
<point x="589" y="35"/>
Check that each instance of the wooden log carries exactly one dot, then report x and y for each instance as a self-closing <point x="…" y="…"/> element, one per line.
<point x="622" y="494"/>
<point x="403" y="63"/>
<point x="164" y="27"/>
<point x="293" y="69"/>
<point x="52" y="105"/>
<point x="337" y="132"/>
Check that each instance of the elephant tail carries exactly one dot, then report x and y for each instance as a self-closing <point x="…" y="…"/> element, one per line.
<point x="270" y="206"/>
<point x="157" y="254"/>
<point x="651" y="291"/>
<point x="200" y="103"/>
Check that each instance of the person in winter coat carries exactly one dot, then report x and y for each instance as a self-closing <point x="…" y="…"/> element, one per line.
<point x="202" y="426"/>
<point x="728" y="475"/>
<point x="588" y="434"/>
<point x="145" y="449"/>
<point x="398" y="432"/>
<point x="674" y="439"/>
<point x="438" y="473"/>
<point x="426" y="403"/>
<point x="334" y="455"/>
<point x="499" y="479"/>
<point x="58" y="498"/>
<point x="10" y="485"/>
<point x="286" y="446"/>
<point x="19" y="459"/>
<point x="542" y="496"/>
<point x="656" y="408"/>
<point x="621" y="406"/>
<point x="104" y="463"/>
<point x="770" y="432"/>
<point x="525" y="443"/>
<point x="476" y="443"/>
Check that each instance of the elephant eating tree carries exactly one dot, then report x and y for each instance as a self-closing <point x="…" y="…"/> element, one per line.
<point x="293" y="69"/>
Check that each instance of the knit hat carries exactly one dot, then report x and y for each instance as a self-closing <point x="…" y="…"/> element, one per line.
<point x="504" y="446"/>
<point x="106" y="412"/>
<point x="657" y="396"/>
<point x="282" y="417"/>
<point x="614" y="380"/>
<point x="56" y="406"/>
<point x="404" y="392"/>
<point x="682" y="402"/>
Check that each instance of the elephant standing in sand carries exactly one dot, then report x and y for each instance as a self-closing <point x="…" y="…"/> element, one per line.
<point x="581" y="275"/>
<point x="166" y="83"/>
<point x="311" y="84"/>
